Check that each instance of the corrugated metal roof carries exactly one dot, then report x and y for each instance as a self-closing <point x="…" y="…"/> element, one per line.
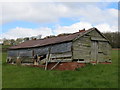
<point x="48" y="41"/>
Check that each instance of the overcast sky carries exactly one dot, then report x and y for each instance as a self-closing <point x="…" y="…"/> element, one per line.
<point x="22" y="19"/>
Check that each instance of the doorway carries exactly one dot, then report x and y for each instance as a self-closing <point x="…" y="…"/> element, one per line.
<point x="94" y="51"/>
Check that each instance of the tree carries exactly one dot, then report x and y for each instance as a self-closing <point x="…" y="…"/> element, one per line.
<point x="19" y="40"/>
<point x="6" y="41"/>
<point x="26" y="39"/>
<point x="113" y="37"/>
<point x="12" y="42"/>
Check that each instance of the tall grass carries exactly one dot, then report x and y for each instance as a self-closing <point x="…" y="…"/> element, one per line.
<point x="99" y="76"/>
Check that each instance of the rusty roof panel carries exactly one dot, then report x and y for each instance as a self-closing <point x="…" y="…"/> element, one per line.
<point x="47" y="41"/>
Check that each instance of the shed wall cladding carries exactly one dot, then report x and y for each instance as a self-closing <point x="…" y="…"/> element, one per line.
<point x="104" y="48"/>
<point x="81" y="48"/>
<point x="61" y="48"/>
<point x="13" y="53"/>
<point x="41" y="50"/>
<point x="26" y="52"/>
<point x="21" y="53"/>
<point x="57" y="48"/>
<point x="94" y="33"/>
<point x="104" y="53"/>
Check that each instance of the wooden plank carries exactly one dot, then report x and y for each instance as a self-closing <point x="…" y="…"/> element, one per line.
<point x="46" y="65"/>
<point x="69" y="54"/>
<point x="68" y="60"/>
<point x="98" y="39"/>
<point x="48" y="59"/>
<point x="94" y="51"/>
<point x="55" y="65"/>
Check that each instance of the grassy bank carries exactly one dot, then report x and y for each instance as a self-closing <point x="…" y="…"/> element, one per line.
<point x="99" y="76"/>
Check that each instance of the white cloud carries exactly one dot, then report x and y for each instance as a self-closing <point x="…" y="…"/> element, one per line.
<point x="34" y="12"/>
<point x="27" y="32"/>
<point x="104" y="27"/>
<point x="89" y="14"/>
<point x="107" y="28"/>
<point x="72" y="28"/>
<point x="19" y="32"/>
<point x="42" y="12"/>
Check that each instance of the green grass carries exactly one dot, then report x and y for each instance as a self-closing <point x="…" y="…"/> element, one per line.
<point x="99" y="76"/>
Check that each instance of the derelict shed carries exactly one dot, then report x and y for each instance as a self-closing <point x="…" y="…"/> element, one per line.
<point x="84" y="46"/>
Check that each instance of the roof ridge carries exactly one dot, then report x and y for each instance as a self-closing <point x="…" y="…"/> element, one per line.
<point x="48" y="41"/>
<point x="56" y="36"/>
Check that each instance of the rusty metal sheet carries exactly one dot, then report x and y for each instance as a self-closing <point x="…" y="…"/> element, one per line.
<point x="47" y="41"/>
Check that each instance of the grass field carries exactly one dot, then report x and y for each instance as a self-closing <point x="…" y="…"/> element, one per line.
<point x="99" y="76"/>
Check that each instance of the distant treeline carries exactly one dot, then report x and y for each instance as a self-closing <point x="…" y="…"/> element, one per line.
<point x="113" y="37"/>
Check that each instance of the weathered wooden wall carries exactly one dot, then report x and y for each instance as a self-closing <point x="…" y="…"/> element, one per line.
<point x="104" y="51"/>
<point x="25" y="55"/>
<point x="54" y="49"/>
<point x="81" y="48"/>
<point x="57" y="51"/>
<point x="20" y="53"/>
<point x="104" y="48"/>
<point x="12" y="53"/>
<point x="63" y="57"/>
<point x="92" y="47"/>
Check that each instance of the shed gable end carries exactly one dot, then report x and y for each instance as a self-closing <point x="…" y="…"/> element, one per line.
<point x="83" y="47"/>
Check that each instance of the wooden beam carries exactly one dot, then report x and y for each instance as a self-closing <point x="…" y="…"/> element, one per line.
<point x="55" y="65"/>
<point x="48" y="59"/>
<point x="46" y="65"/>
<point x="68" y="60"/>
